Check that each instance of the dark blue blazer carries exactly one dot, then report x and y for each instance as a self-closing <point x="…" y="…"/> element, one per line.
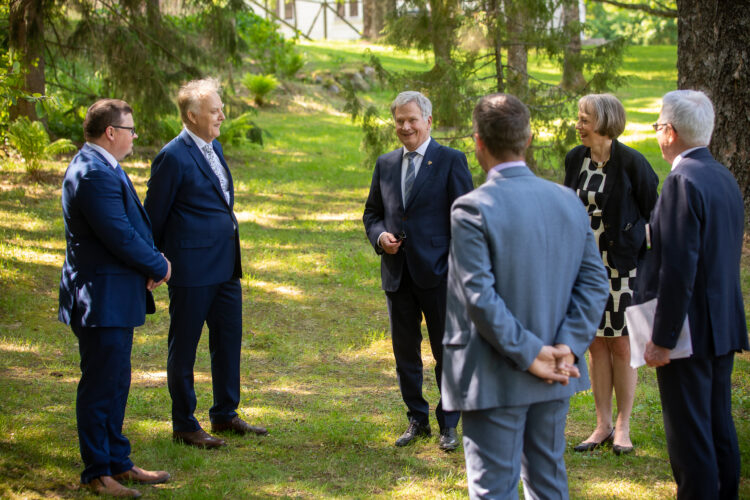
<point x="193" y="224"/>
<point x="694" y="265"/>
<point x="110" y="251"/>
<point x="443" y="176"/>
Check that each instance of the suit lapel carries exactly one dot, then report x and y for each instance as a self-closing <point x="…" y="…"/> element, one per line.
<point x="203" y="165"/>
<point x="426" y="170"/>
<point x="393" y="176"/>
<point x="129" y="188"/>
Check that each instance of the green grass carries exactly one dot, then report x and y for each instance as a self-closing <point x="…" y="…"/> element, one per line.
<point x="317" y="367"/>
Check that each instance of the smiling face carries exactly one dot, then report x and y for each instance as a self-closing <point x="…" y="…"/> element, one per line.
<point x="206" y="121"/>
<point x="585" y="127"/>
<point x="411" y="128"/>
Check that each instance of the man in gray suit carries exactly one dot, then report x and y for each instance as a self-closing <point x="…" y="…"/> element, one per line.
<point x="526" y="290"/>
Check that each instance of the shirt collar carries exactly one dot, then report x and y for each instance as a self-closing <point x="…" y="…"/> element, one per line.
<point x="198" y="141"/>
<point x="682" y="155"/>
<point x="508" y="164"/>
<point x="420" y="150"/>
<point x="111" y="160"/>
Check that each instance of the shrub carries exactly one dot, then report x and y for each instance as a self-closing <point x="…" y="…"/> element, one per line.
<point x="259" y="86"/>
<point x="32" y="142"/>
<point x="240" y="131"/>
<point x="267" y="50"/>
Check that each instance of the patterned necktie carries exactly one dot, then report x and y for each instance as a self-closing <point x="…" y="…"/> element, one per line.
<point x="409" y="180"/>
<point x="215" y="165"/>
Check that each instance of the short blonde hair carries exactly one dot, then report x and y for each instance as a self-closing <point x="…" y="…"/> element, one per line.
<point x="607" y="111"/>
<point x="191" y="94"/>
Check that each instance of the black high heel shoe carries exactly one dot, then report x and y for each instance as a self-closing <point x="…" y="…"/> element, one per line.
<point x="592" y="445"/>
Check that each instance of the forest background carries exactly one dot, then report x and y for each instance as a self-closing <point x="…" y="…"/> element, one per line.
<point x="305" y="120"/>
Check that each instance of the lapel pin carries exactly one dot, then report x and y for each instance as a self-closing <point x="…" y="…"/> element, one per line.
<point x="429" y="162"/>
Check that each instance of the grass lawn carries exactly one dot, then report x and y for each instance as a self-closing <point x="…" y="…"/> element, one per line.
<point x="317" y="366"/>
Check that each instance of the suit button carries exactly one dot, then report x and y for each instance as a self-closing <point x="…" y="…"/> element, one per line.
<point x="611" y="243"/>
<point x="606" y="226"/>
<point x="404" y="218"/>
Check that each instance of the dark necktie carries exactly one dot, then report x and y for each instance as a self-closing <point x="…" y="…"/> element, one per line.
<point x="409" y="180"/>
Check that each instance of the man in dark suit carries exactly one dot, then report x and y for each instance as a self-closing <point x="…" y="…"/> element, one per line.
<point x="693" y="270"/>
<point x="526" y="290"/>
<point x="111" y="266"/>
<point x="189" y="199"/>
<point x="407" y="220"/>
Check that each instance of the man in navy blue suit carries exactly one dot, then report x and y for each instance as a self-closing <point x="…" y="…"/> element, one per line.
<point x="190" y="200"/>
<point x="407" y="220"/>
<point x="111" y="266"/>
<point x="693" y="270"/>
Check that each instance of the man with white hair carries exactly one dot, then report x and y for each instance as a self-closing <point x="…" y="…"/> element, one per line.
<point x="190" y="202"/>
<point x="692" y="269"/>
<point x="407" y="220"/>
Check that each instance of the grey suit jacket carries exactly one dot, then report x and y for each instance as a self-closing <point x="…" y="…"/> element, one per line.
<point x="524" y="271"/>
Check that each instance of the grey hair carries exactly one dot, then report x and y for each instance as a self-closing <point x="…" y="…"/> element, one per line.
<point x="691" y="114"/>
<point x="405" y="98"/>
<point x="190" y="94"/>
<point x="607" y="111"/>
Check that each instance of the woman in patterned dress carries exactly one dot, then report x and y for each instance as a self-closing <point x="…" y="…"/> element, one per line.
<point x="618" y="187"/>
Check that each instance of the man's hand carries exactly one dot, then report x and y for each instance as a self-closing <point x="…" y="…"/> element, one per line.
<point x="151" y="285"/>
<point x="389" y="243"/>
<point x="566" y="364"/>
<point x="545" y="365"/>
<point x="655" y="355"/>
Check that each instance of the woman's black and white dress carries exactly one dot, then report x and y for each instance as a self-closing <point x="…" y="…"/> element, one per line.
<point x="590" y="189"/>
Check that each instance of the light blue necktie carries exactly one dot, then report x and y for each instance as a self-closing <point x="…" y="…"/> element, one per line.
<point x="409" y="180"/>
<point x="218" y="169"/>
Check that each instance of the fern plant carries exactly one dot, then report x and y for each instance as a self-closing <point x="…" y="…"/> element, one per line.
<point x="259" y="86"/>
<point x="32" y="142"/>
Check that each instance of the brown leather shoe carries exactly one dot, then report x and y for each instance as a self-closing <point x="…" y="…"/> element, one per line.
<point x="238" y="426"/>
<point x="106" y="485"/>
<point x="199" y="439"/>
<point x="138" y="475"/>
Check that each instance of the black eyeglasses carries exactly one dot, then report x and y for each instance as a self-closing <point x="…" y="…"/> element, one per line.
<point x="132" y="129"/>
<point x="658" y="126"/>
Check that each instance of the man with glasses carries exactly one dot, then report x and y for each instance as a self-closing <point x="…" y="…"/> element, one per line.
<point x="111" y="266"/>
<point x="693" y="270"/>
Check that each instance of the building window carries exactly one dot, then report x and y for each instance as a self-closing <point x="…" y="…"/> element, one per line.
<point x="353" y="8"/>
<point x="289" y="9"/>
<point x="340" y="8"/>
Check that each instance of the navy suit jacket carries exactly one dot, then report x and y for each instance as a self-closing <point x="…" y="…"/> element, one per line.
<point x="110" y="251"/>
<point x="443" y="176"/>
<point x="694" y="265"/>
<point x="194" y="225"/>
<point x="525" y="272"/>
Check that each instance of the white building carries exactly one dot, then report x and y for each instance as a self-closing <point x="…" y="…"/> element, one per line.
<point x="331" y="19"/>
<point x="314" y="19"/>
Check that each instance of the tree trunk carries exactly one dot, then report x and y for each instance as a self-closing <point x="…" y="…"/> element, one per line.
<point x="713" y="55"/>
<point x="442" y="19"/>
<point x="572" y="77"/>
<point x="518" y="78"/>
<point x="374" y="13"/>
<point x="26" y="40"/>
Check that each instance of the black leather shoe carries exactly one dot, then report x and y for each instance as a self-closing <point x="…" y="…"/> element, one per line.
<point x="414" y="431"/>
<point x="448" y="439"/>
<point x="592" y="445"/>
